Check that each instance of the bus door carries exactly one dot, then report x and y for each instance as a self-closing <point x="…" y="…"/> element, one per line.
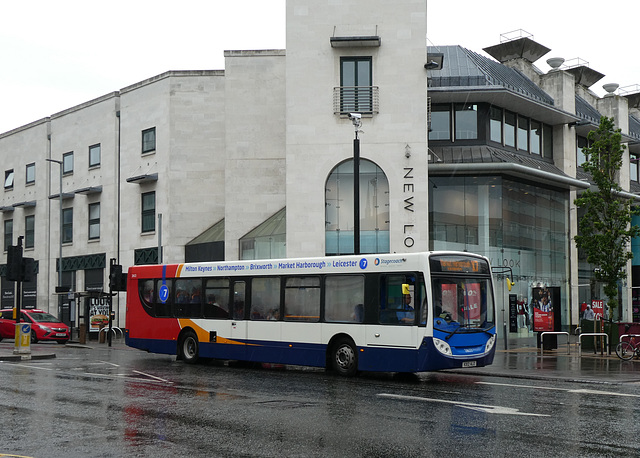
<point x="397" y="312"/>
<point x="238" y="312"/>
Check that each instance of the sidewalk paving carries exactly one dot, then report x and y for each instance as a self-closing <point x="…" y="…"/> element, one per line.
<point x="521" y="360"/>
<point x="524" y="360"/>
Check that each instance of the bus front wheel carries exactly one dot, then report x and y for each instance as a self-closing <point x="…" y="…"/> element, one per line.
<point x="188" y="348"/>
<point x="344" y="357"/>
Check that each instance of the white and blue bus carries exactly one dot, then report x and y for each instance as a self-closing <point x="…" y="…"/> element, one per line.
<point x="407" y="312"/>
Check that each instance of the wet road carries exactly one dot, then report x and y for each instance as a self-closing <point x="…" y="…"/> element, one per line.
<point x="121" y="402"/>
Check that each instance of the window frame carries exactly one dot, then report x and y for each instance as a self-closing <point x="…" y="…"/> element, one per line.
<point x="67" y="227"/>
<point x="93" y="222"/>
<point x="362" y="98"/>
<point x="30" y="173"/>
<point x="29" y="231"/>
<point x="146" y="146"/>
<point x="9" y="179"/>
<point x="67" y="163"/>
<point x="8" y="233"/>
<point x="92" y="149"/>
<point x="148" y="212"/>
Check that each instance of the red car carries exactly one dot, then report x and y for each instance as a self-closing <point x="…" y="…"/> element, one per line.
<point x="44" y="326"/>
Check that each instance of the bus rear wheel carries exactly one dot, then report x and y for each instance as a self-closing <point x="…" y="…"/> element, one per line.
<point x="344" y="358"/>
<point x="188" y="348"/>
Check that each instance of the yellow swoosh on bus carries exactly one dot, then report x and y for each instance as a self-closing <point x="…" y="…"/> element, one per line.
<point x="203" y="334"/>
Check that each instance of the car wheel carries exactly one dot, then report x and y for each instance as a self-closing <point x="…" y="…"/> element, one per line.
<point x="188" y="348"/>
<point x="34" y="337"/>
<point x="344" y="357"/>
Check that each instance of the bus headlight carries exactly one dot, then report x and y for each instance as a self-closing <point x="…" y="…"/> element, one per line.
<point x="442" y="346"/>
<point x="490" y="343"/>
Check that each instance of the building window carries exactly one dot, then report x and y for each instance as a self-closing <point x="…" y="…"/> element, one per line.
<point x="581" y="143"/>
<point x="440" y="128"/>
<point x="495" y="124"/>
<point x="633" y="167"/>
<point x="523" y="133"/>
<point x="510" y="129"/>
<point x="94" y="155"/>
<point x="67" y="225"/>
<point x="31" y="173"/>
<point x="466" y="121"/>
<point x="8" y="179"/>
<point x="8" y="233"/>
<point x="67" y="163"/>
<point x="547" y="141"/>
<point x="148" y="140"/>
<point x="29" y="231"/>
<point x="149" y="211"/>
<point x="374" y="209"/>
<point x="94" y="221"/>
<point x="267" y="240"/>
<point x="535" y="138"/>
<point x="355" y="85"/>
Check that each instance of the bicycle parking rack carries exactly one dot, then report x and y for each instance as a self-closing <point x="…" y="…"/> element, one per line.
<point x="554" y="333"/>
<point x="628" y="335"/>
<point x="113" y="329"/>
<point x="593" y="334"/>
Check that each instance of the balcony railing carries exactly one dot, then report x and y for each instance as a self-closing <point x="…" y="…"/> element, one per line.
<point x="355" y="99"/>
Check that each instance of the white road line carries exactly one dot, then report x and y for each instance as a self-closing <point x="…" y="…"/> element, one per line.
<point x="466" y="405"/>
<point x="153" y="376"/>
<point x="566" y="390"/>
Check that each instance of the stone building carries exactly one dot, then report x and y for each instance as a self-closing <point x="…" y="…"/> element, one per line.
<point x="457" y="151"/>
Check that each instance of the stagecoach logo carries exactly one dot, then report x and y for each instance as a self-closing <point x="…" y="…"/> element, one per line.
<point x="363" y="263"/>
<point x="379" y="261"/>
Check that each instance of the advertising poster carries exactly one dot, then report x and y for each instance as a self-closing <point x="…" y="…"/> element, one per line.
<point x="542" y="306"/>
<point x="98" y="313"/>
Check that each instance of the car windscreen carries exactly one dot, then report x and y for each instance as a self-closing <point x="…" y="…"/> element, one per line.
<point x="43" y="317"/>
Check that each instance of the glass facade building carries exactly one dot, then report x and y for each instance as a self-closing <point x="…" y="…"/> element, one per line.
<point x="515" y="224"/>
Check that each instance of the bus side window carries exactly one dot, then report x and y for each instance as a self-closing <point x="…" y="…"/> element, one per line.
<point x="397" y="301"/>
<point x="216" y="298"/>
<point x="344" y="298"/>
<point x="163" y="309"/>
<point x="265" y="298"/>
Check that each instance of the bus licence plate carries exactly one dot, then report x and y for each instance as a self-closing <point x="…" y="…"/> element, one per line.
<point x="469" y="364"/>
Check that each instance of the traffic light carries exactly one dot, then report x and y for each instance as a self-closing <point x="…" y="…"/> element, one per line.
<point x="117" y="279"/>
<point x="114" y="277"/>
<point x="14" y="263"/>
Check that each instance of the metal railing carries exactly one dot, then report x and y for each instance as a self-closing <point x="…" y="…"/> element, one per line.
<point x="554" y="333"/>
<point x="593" y="334"/>
<point x="356" y="99"/>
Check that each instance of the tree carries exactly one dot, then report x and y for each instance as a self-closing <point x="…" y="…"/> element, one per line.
<point x="605" y="230"/>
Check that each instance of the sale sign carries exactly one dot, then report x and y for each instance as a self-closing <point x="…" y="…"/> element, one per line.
<point x="598" y="308"/>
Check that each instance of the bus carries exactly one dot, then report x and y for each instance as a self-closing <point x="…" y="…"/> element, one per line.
<point x="407" y="312"/>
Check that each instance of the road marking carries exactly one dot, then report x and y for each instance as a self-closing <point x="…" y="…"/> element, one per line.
<point x="152" y="376"/>
<point x="567" y="390"/>
<point x="500" y="410"/>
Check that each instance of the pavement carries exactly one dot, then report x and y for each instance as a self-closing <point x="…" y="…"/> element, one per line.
<point x="521" y="359"/>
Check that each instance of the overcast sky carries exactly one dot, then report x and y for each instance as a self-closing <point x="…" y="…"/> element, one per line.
<point x="55" y="55"/>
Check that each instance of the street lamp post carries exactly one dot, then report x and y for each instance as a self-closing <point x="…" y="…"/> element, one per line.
<point x="356" y="119"/>
<point x="60" y="196"/>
